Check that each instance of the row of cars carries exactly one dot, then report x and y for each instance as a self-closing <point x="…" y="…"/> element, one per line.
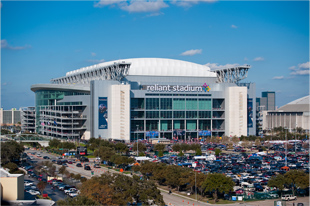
<point x="67" y="189"/>
<point x="31" y="188"/>
<point x="249" y="171"/>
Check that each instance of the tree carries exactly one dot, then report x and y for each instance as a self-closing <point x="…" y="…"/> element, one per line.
<point x="98" y="189"/>
<point x="62" y="170"/>
<point x="77" y="176"/>
<point x="41" y="186"/>
<point x="297" y="178"/>
<point x="116" y="189"/>
<point x="54" y="143"/>
<point x="11" y="152"/>
<point x="72" y="175"/>
<point x="79" y="200"/>
<point x="105" y="153"/>
<point x="176" y="147"/>
<point x="121" y="147"/>
<point x="230" y="145"/>
<point x="198" y="152"/>
<point x="160" y="147"/>
<point x="277" y="181"/>
<point x="181" y="154"/>
<point x="258" y="143"/>
<point x="246" y="144"/>
<point x="200" y="178"/>
<point x="52" y="171"/>
<point x="141" y="147"/>
<point x="225" y="140"/>
<point x="217" y="151"/>
<point x="216" y="182"/>
<point x="235" y="140"/>
<point x="12" y="167"/>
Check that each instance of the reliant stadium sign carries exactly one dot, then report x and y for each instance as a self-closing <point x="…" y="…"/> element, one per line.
<point x="176" y="88"/>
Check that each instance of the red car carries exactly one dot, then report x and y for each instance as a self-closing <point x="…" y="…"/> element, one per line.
<point x="240" y="191"/>
<point x="51" y="180"/>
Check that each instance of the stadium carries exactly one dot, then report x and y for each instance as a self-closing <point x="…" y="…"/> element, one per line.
<point x="142" y="98"/>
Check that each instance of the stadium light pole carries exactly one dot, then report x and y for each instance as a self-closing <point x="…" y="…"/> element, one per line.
<point x="285" y="147"/>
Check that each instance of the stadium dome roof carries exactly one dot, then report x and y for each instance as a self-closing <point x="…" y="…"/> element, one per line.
<point x="156" y="67"/>
<point x="299" y="105"/>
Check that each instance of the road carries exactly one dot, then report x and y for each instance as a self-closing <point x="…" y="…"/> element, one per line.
<point x="173" y="199"/>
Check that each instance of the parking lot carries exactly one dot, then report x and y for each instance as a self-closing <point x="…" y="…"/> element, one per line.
<point x="250" y="169"/>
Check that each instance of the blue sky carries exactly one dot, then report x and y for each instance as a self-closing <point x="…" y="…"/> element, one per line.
<point x="41" y="40"/>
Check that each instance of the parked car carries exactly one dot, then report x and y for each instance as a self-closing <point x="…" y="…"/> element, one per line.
<point x="28" y="183"/>
<point x="97" y="166"/>
<point x="46" y="157"/>
<point x="288" y="197"/>
<point x="72" y="189"/>
<point x="87" y="167"/>
<point x="79" y="165"/>
<point x="34" y="192"/>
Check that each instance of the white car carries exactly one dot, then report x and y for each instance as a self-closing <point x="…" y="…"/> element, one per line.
<point x="34" y="192"/>
<point x="74" y="194"/>
<point x="70" y="190"/>
<point x="32" y="187"/>
<point x="28" y="183"/>
<point x="289" y="197"/>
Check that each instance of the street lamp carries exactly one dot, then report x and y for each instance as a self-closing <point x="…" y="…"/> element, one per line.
<point x="137" y="142"/>
<point x="195" y="186"/>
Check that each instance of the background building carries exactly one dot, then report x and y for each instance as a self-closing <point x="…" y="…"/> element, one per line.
<point x="146" y="97"/>
<point x="28" y="119"/>
<point x="265" y="103"/>
<point x="292" y="115"/>
<point x="10" y="117"/>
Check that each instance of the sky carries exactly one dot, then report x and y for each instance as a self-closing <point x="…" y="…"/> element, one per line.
<point x="41" y="40"/>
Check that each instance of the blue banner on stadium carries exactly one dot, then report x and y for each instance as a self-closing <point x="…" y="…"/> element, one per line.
<point x="204" y="133"/>
<point x="103" y="113"/>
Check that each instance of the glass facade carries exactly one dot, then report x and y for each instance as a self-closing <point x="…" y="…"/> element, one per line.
<point x="168" y="113"/>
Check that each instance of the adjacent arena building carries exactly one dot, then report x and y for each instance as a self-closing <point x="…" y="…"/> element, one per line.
<point x="144" y="98"/>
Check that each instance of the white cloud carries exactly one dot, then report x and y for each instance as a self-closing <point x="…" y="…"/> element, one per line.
<point x="5" y="45"/>
<point x="214" y="66"/>
<point x="304" y="65"/>
<point x="191" y="52"/>
<point x="278" y="77"/>
<point x="135" y="5"/>
<point x="93" y="54"/>
<point x="301" y="72"/>
<point x="155" y="14"/>
<point x="234" y="26"/>
<point x="258" y="59"/>
<point x="245" y="59"/>
<point x="103" y="3"/>
<point x="292" y="68"/>
<point x="144" y="6"/>
<point x="190" y="3"/>
<point x="303" y="69"/>
<point x="95" y="61"/>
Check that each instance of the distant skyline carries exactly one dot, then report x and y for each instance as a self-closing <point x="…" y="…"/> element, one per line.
<point x="41" y="40"/>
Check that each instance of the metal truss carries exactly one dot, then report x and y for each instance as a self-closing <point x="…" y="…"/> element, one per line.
<point x="115" y="71"/>
<point x="232" y="75"/>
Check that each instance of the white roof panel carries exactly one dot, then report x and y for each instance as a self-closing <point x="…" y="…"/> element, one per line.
<point x="157" y="67"/>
